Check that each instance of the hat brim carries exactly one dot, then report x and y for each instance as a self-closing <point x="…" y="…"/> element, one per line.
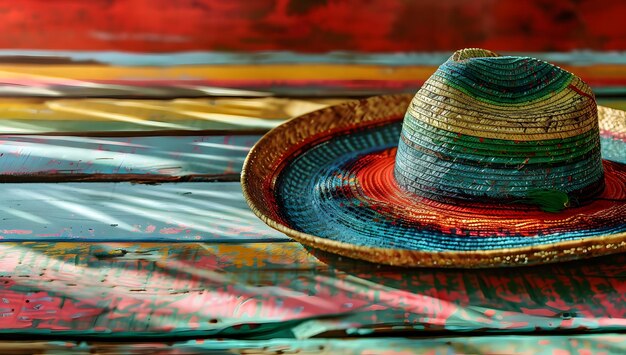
<point x="597" y="228"/>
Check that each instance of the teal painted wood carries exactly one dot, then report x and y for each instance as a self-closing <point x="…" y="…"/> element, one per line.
<point x="213" y="212"/>
<point x="540" y="345"/>
<point x="164" y="156"/>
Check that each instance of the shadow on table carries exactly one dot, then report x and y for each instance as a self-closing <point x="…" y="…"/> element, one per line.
<point x="585" y="294"/>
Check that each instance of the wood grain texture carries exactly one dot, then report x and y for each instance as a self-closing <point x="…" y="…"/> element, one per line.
<point x="213" y="212"/>
<point x="28" y="158"/>
<point x="306" y="79"/>
<point x="269" y="290"/>
<point x="135" y="117"/>
<point x="312" y="26"/>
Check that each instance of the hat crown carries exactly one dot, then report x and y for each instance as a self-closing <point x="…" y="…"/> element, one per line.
<point x="487" y="128"/>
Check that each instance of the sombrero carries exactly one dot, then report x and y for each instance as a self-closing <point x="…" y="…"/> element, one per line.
<point x="495" y="162"/>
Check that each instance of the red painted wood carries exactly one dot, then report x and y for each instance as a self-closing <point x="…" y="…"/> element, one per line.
<point x="312" y="25"/>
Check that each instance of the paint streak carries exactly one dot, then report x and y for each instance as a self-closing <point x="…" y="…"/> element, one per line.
<point x="16" y="231"/>
<point x="388" y="352"/>
<point x="171" y="230"/>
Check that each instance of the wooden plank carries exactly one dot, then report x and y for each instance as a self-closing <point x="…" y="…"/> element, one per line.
<point x="269" y="290"/>
<point x="35" y="74"/>
<point x="127" y="117"/>
<point x="123" y="211"/>
<point x="503" y="344"/>
<point x="193" y="81"/>
<point x="308" y="79"/>
<point x="66" y="158"/>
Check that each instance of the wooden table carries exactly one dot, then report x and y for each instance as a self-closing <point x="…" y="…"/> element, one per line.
<point x="125" y="231"/>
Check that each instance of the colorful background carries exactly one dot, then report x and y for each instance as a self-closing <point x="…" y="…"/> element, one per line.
<point x="313" y="26"/>
<point x="163" y="48"/>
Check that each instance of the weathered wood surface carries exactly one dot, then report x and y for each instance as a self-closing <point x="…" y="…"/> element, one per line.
<point x="600" y="344"/>
<point x="244" y="279"/>
<point x="65" y="158"/>
<point x="214" y="212"/>
<point x="235" y="277"/>
<point x="269" y="290"/>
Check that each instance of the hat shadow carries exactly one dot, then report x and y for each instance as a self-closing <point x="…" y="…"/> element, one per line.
<point x="566" y="295"/>
<point x="350" y="265"/>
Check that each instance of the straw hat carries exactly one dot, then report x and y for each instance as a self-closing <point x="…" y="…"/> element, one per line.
<point x="495" y="162"/>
